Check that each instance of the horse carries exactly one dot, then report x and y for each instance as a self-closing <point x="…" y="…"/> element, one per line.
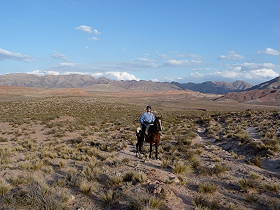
<point x="153" y="137"/>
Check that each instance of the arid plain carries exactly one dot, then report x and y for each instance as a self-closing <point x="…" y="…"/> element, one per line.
<point x="74" y="148"/>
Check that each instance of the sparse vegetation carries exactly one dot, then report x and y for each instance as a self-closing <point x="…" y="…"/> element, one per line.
<point x="181" y="168"/>
<point x="134" y="177"/>
<point x="78" y="147"/>
<point x="207" y="188"/>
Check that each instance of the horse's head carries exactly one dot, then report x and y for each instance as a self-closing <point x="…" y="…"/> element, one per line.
<point x="157" y="123"/>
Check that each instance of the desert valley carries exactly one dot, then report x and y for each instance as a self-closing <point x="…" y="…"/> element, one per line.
<point x="139" y="105"/>
<point x="68" y="142"/>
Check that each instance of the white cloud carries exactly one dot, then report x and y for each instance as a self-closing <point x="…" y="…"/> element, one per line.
<point x="196" y="74"/>
<point x="67" y="64"/>
<point x="178" y="62"/>
<point x="60" y="56"/>
<point x="251" y="66"/>
<point x="270" y="51"/>
<point x="266" y="73"/>
<point x="43" y="72"/>
<point x="251" y="71"/>
<point x="120" y="76"/>
<point x="138" y="63"/>
<point x="227" y="74"/>
<point x="256" y="74"/>
<point x="94" y="38"/>
<point x="97" y="74"/>
<point x="74" y="72"/>
<point x="232" y="55"/>
<point x="189" y="55"/>
<point x="115" y="75"/>
<point x="145" y="59"/>
<point x="88" y="29"/>
<point x="8" y="55"/>
<point x="84" y="28"/>
<point x="95" y="31"/>
<point x="175" y="62"/>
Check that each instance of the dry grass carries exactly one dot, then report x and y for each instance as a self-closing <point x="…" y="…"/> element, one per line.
<point x="207" y="188"/>
<point x="4" y="187"/>
<point x="181" y="168"/>
<point x="74" y="144"/>
<point x="134" y="177"/>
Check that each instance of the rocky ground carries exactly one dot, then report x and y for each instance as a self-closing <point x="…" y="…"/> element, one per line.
<point x="79" y="153"/>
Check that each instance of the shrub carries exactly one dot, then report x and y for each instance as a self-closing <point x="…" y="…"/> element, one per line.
<point x="4" y="187"/>
<point x="153" y="202"/>
<point x="206" y="203"/>
<point x="271" y="187"/>
<point x="5" y="155"/>
<point x="207" y="188"/>
<point x="251" y="197"/>
<point x="87" y="187"/>
<point x="110" y="198"/>
<point x="37" y="196"/>
<point x="134" y="177"/>
<point x="116" y="180"/>
<point x="181" y="168"/>
<point x="246" y="184"/>
<point x="256" y="161"/>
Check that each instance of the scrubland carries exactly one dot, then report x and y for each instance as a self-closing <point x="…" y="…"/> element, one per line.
<point x="79" y="153"/>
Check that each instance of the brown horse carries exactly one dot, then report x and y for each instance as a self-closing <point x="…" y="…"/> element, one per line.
<point x="153" y="137"/>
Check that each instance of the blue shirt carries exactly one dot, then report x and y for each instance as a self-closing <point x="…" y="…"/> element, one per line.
<point x="147" y="117"/>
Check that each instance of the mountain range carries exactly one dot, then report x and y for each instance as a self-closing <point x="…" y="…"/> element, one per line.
<point x="266" y="93"/>
<point x="102" y="83"/>
<point x="240" y="91"/>
<point x="215" y="87"/>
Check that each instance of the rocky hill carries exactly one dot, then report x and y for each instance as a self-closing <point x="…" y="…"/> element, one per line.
<point x="271" y="84"/>
<point x="215" y="87"/>
<point x="81" y="81"/>
<point x="267" y="93"/>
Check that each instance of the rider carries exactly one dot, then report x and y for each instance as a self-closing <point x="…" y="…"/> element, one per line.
<point x="146" y="119"/>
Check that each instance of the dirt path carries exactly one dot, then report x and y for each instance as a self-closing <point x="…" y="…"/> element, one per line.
<point x="270" y="167"/>
<point x="176" y="196"/>
<point x="180" y="197"/>
<point x="253" y="132"/>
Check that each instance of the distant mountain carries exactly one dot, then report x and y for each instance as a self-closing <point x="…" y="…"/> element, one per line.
<point x="271" y="84"/>
<point x="267" y="93"/>
<point x="214" y="87"/>
<point x="82" y="81"/>
<point x="50" y="81"/>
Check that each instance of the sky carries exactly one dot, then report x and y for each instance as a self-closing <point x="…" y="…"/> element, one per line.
<point x="158" y="40"/>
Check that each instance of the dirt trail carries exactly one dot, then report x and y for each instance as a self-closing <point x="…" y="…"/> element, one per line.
<point x="253" y="132"/>
<point x="270" y="167"/>
<point x="176" y="196"/>
<point x="271" y="164"/>
<point x="180" y="197"/>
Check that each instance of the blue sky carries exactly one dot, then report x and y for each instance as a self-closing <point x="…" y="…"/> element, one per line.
<point x="160" y="40"/>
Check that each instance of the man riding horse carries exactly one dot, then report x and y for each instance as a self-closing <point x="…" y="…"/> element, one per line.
<point x="146" y="120"/>
<point x="150" y="131"/>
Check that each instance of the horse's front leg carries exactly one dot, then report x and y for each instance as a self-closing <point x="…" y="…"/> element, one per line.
<point x="156" y="151"/>
<point x="137" y="147"/>
<point x="151" y="145"/>
<point x="141" y="142"/>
